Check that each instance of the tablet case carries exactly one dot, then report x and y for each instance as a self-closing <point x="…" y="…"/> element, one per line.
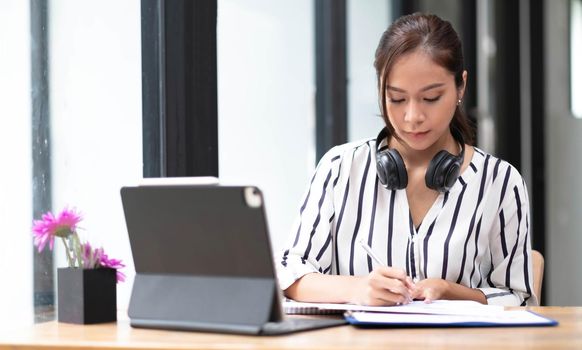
<point x="202" y="257"/>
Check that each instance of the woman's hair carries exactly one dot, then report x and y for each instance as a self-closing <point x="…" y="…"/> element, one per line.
<point x="435" y="37"/>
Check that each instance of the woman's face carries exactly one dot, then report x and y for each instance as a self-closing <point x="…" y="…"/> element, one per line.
<point x="421" y="98"/>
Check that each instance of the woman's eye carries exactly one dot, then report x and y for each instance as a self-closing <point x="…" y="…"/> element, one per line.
<point x="392" y="100"/>
<point x="434" y="99"/>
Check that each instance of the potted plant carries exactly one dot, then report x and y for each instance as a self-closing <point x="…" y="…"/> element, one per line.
<point x="87" y="287"/>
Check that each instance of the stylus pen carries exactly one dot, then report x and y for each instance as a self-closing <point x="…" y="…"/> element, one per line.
<point x="370" y="252"/>
<point x="374" y="257"/>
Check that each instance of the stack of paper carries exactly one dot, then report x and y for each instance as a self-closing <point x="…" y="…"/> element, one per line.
<point x="441" y="313"/>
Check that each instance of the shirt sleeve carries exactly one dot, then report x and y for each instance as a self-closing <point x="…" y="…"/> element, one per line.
<point x="511" y="277"/>
<point x="309" y="247"/>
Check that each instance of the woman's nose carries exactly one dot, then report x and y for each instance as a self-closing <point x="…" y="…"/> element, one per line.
<point x="414" y="113"/>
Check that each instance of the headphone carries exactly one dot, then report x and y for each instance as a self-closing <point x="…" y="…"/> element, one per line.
<point x="441" y="174"/>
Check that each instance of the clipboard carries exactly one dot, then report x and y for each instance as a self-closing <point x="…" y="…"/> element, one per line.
<point x="505" y="318"/>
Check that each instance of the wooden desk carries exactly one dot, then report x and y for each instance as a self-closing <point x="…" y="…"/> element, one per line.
<point x="53" y="335"/>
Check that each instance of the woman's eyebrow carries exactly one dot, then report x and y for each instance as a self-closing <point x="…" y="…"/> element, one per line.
<point x="428" y="87"/>
<point x="388" y="87"/>
<point x="432" y="86"/>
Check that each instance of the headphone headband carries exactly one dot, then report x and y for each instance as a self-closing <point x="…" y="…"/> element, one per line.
<point x="441" y="174"/>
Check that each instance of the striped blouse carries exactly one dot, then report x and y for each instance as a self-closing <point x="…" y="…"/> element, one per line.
<point x="476" y="234"/>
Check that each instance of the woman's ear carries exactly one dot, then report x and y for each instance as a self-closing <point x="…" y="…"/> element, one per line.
<point x="462" y="88"/>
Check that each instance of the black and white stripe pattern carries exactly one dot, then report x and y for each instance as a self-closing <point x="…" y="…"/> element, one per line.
<point x="476" y="234"/>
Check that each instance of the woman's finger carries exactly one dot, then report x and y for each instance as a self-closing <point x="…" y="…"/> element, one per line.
<point x="386" y="297"/>
<point x="392" y="272"/>
<point x="391" y="285"/>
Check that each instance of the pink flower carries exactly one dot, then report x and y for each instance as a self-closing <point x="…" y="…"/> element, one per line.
<point x="62" y="225"/>
<point x="114" y="264"/>
<point x="95" y="258"/>
<point x="79" y="255"/>
<point x="89" y="256"/>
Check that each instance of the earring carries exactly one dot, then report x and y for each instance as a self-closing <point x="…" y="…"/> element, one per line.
<point x="459" y="102"/>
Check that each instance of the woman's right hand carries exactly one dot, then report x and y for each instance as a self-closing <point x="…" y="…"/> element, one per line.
<point x="383" y="286"/>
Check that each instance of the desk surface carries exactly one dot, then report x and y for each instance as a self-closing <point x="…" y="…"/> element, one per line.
<point x="121" y="336"/>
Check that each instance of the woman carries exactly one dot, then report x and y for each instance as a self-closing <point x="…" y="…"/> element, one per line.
<point x="447" y="220"/>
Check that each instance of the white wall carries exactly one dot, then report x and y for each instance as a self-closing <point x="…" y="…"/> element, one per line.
<point x="563" y="137"/>
<point x="16" y="175"/>
<point x="266" y="97"/>
<point x="366" y="21"/>
<point x="95" y="86"/>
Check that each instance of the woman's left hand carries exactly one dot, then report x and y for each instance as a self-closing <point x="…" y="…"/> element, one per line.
<point x="431" y="289"/>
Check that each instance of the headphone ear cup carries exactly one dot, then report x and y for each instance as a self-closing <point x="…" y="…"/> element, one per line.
<point x="443" y="170"/>
<point x="391" y="170"/>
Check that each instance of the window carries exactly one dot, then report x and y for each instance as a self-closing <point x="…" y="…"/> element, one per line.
<point x="366" y="21"/>
<point x="95" y="118"/>
<point x="70" y="134"/>
<point x="15" y="177"/>
<point x="266" y="102"/>
<point x="576" y="57"/>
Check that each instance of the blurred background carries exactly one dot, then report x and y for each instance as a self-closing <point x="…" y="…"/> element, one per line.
<point x="95" y="95"/>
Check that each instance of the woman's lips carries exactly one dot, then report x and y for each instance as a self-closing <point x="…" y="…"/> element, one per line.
<point x="417" y="134"/>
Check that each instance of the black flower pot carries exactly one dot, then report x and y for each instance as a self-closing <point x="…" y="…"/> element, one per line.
<point x="87" y="295"/>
